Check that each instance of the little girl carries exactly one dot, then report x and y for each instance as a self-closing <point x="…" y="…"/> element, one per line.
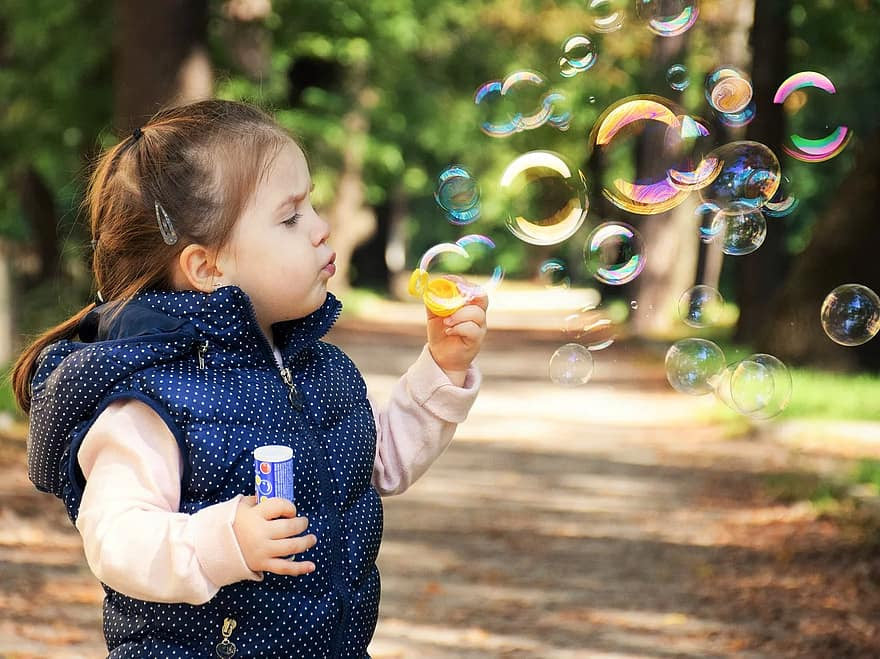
<point x="205" y="343"/>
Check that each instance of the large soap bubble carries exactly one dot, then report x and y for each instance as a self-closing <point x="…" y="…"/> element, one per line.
<point x="615" y="140"/>
<point x="740" y="230"/>
<point x="851" y="314"/>
<point x="811" y="149"/>
<point x="758" y="386"/>
<point x="668" y="18"/>
<point x="607" y="15"/>
<point x="749" y="176"/>
<point x="546" y="198"/>
<point x="458" y="194"/>
<point x="694" y="365"/>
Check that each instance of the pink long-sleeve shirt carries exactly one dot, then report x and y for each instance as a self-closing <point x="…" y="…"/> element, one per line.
<point x="137" y="542"/>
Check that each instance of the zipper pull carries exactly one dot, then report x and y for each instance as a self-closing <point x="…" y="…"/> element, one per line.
<point x="226" y="648"/>
<point x="293" y="394"/>
<point x="202" y="351"/>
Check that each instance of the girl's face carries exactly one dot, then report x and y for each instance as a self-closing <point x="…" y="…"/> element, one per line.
<point x="278" y="252"/>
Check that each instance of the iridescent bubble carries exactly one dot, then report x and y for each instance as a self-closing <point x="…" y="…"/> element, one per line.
<point x="554" y="274"/>
<point x="528" y="90"/>
<point x="608" y="15"/>
<point x="590" y="327"/>
<point x="749" y="176"/>
<point x="614" y="140"/>
<point x="445" y="266"/>
<point x="728" y="90"/>
<point x="783" y="202"/>
<point x="571" y="365"/>
<point x="741" y="230"/>
<point x="851" y="314"/>
<point x="578" y="55"/>
<point x="738" y="119"/>
<point x="677" y="77"/>
<point x="546" y="198"/>
<point x="614" y="253"/>
<point x="520" y="102"/>
<point x="751" y="386"/>
<point x="501" y="118"/>
<point x="694" y="365"/>
<point x="668" y="18"/>
<point x="700" y="306"/>
<point x="806" y="149"/>
<point x="458" y="194"/>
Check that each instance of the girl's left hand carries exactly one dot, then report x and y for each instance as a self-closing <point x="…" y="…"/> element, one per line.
<point x="455" y="340"/>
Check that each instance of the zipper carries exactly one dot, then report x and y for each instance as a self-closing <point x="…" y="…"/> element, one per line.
<point x="226" y="648"/>
<point x="202" y="352"/>
<point x="293" y="394"/>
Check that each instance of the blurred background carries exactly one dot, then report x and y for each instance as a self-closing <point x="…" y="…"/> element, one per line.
<point x="382" y="97"/>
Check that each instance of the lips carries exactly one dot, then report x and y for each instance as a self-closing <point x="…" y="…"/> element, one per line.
<point x="330" y="267"/>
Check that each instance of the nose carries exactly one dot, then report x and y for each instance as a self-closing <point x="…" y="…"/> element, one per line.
<point x="321" y="230"/>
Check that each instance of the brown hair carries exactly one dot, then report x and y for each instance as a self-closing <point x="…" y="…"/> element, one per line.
<point x="202" y="162"/>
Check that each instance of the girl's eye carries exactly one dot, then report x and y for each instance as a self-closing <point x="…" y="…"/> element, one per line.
<point x="290" y="221"/>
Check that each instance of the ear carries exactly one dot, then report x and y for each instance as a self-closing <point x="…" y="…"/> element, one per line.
<point x="197" y="268"/>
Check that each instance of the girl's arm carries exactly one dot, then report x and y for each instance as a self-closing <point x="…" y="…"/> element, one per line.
<point x="135" y="541"/>
<point x="419" y="422"/>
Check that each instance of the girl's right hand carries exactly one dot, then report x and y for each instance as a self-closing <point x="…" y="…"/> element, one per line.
<point x="264" y="532"/>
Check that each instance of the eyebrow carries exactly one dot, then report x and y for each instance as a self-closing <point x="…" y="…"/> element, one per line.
<point x="292" y="200"/>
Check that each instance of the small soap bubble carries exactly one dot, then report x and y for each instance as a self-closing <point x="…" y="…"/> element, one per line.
<point x="458" y="194"/>
<point x="591" y="99"/>
<point x="571" y="365"/>
<point x="749" y="175"/>
<point x="739" y="119"/>
<point x="728" y="90"/>
<point x="614" y="253"/>
<point x="668" y="18"/>
<point x="578" y="55"/>
<point x="608" y="15"/>
<point x="694" y="365"/>
<point x="851" y="314"/>
<point x="740" y="230"/>
<point x="783" y="202"/>
<point x="677" y="77"/>
<point x="633" y="305"/>
<point x="545" y="198"/>
<point x="700" y="306"/>
<point x="554" y="274"/>
<point x="760" y="383"/>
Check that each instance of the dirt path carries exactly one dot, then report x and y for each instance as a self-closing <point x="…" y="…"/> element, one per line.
<point x="603" y="521"/>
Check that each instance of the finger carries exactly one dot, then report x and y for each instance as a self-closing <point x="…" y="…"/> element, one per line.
<point x="468" y="331"/>
<point x="470" y="312"/>
<point x="288" y="546"/>
<point x="276" y="507"/>
<point x="292" y="568"/>
<point x="286" y="528"/>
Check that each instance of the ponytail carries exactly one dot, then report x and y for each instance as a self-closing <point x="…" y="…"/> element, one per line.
<point x="26" y="364"/>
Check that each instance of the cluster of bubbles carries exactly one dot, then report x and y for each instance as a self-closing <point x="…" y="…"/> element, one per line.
<point x="545" y="202"/>
<point x="758" y="386"/>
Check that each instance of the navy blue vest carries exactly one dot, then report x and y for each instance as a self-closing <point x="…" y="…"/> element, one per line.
<point x="202" y="363"/>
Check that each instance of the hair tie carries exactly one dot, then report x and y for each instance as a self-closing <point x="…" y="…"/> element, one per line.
<point x="137" y="134"/>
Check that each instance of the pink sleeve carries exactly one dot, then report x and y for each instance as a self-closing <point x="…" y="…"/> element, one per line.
<point x="419" y="422"/>
<point x="135" y="541"/>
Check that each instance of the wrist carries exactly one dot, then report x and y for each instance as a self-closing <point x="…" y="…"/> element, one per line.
<point x="456" y="377"/>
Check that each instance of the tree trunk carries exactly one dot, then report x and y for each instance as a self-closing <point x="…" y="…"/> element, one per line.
<point x="838" y="253"/>
<point x="38" y="206"/>
<point x="161" y="58"/>
<point x="761" y="270"/>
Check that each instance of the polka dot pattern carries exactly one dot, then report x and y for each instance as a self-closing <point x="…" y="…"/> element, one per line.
<point x="214" y="380"/>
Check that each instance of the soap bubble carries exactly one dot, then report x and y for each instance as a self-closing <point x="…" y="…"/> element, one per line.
<point x="803" y="148"/>
<point x="700" y="306"/>
<point x="738" y="119"/>
<point x="728" y="90"/>
<point x="458" y="194"/>
<point x="501" y="118"/>
<point x="553" y="274"/>
<point x="614" y="253"/>
<point x="520" y="102"/>
<point x="614" y="140"/>
<point x="578" y="55"/>
<point x="695" y="166"/>
<point x="590" y="327"/>
<point x="759" y="386"/>
<point x="457" y="259"/>
<point x="668" y="18"/>
<point x="749" y="176"/>
<point x="546" y="198"/>
<point x="741" y="230"/>
<point x="677" y="77"/>
<point x="608" y="15"/>
<point x="693" y="365"/>
<point x="571" y="365"/>
<point x="783" y="202"/>
<point x="851" y="314"/>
